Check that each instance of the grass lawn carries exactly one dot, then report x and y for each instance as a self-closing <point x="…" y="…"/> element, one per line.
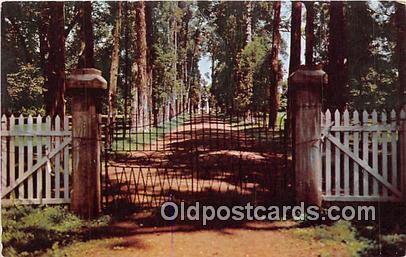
<point x="139" y="139"/>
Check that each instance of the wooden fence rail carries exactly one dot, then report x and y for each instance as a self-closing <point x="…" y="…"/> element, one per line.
<point x="361" y="156"/>
<point x="35" y="160"/>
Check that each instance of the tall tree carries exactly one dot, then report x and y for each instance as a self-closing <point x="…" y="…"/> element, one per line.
<point x="230" y="25"/>
<point x="309" y="32"/>
<point x="127" y="65"/>
<point x="337" y="91"/>
<point x="274" y="100"/>
<point x="194" y="80"/>
<point x="174" y="37"/>
<point x="360" y="31"/>
<point x="248" y="5"/>
<point x="151" y="57"/>
<point x="401" y="51"/>
<point x="245" y="65"/>
<point x="295" y="51"/>
<point x="183" y="49"/>
<point x="295" y="39"/>
<point x="86" y="55"/>
<point x="141" y="80"/>
<point x="321" y="20"/>
<point x="54" y="73"/>
<point x="114" y="67"/>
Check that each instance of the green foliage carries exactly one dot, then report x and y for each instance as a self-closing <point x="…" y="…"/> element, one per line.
<point x="241" y="78"/>
<point x="387" y="234"/>
<point x="372" y="77"/>
<point x="392" y="244"/>
<point x="247" y="64"/>
<point x="27" y="231"/>
<point x="371" y="67"/>
<point x="19" y="42"/>
<point x="341" y="232"/>
<point x="164" y="73"/>
<point x="25" y="88"/>
<point x="182" y="32"/>
<point x="230" y="27"/>
<point x="173" y="55"/>
<point x="321" y="33"/>
<point x="256" y="62"/>
<point x="22" y="21"/>
<point x="375" y="90"/>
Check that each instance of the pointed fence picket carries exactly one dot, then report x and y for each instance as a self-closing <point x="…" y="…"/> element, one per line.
<point x="356" y="178"/>
<point x="4" y="155"/>
<point x="35" y="160"/>
<point x="328" y="156"/>
<point x="337" y="160"/>
<point x="363" y="152"/>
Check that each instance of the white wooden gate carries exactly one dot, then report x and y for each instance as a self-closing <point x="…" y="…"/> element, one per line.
<point x="35" y="160"/>
<point x="361" y="157"/>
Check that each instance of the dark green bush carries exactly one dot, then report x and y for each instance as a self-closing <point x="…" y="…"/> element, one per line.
<point x="28" y="231"/>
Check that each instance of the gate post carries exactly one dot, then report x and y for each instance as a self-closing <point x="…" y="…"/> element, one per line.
<point x="85" y="86"/>
<point x="307" y="102"/>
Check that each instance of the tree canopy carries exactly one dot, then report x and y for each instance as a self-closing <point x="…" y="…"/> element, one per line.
<point x="159" y="46"/>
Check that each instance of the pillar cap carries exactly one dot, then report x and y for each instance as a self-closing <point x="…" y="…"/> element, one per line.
<point x="309" y="75"/>
<point x="87" y="78"/>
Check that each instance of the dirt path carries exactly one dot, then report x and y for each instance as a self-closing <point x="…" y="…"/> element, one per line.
<point x="259" y="239"/>
<point x="144" y="235"/>
<point x="207" y="157"/>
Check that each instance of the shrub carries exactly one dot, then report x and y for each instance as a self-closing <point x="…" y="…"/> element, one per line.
<point x="340" y="232"/>
<point x="28" y="231"/>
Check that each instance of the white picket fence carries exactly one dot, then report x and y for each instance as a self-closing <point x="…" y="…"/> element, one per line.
<point x="35" y="160"/>
<point x="360" y="156"/>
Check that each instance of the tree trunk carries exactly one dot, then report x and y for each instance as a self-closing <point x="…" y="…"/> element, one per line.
<point x="336" y="91"/>
<point x="248" y="73"/>
<point x="190" y="64"/>
<point x="55" y="63"/>
<point x="295" y="52"/>
<point x="126" y="65"/>
<point x="275" y="66"/>
<point x="173" y="90"/>
<point x="141" y="80"/>
<point x="151" y="56"/>
<point x="401" y="50"/>
<point x="295" y="33"/>
<point x="185" y="39"/>
<point x="183" y="44"/>
<point x="309" y="33"/>
<point x="249" y="22"/>
<point x="115" y="56"/>
<point x="86" y="55"/>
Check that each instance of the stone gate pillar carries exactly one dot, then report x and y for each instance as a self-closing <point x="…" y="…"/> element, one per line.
<point x="85" y="86"/>
<point x="307" y="102"/>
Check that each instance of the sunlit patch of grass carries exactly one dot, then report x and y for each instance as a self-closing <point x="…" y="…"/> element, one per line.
<point x="341" y="232"/>
<point x="139" y="140"/>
